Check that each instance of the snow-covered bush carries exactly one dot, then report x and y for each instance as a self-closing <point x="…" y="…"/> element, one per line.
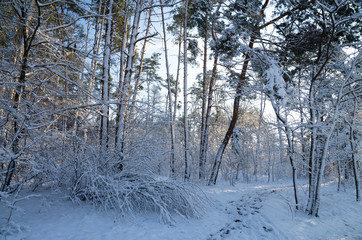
<point x="131" y="190"/>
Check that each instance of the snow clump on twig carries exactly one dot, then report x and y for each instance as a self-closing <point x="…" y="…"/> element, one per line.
<point x="275" y="86"/>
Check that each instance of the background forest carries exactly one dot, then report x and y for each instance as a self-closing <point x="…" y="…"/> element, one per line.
<point x="132" y="104"/>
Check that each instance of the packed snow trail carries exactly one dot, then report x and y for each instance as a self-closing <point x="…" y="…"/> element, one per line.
<point x="247" y="222"/>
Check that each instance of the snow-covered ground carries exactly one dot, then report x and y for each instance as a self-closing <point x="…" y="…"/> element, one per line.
<point x="244" y="211"/>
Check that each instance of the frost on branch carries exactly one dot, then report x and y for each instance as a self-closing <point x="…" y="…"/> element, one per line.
<point x="275" y="85"/>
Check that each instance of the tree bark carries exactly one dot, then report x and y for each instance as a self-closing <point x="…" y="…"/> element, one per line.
<point x="121" y="78"/>
<point x="104" y="128"/>
<point x="170" y="113"/>
<point x="138" y="79"/>
<point x="353" y="151"/>
<point x="186" y="127"/>
<point x="124" y="93"/>
<point x="202" y="159"/>
<point x="96" y="47"/>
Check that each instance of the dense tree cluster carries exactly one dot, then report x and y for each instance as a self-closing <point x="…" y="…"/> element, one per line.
<point x="86" y="105"/>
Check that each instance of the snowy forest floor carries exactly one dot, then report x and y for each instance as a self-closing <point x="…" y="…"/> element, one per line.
<point x="244" y="211"/>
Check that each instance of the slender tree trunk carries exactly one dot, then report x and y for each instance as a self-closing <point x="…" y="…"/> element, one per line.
<point x="320" y="172"/>
<point x="121" y="77"/>
<point x="124" y="94"/>
<point x="303" y="144"/>
<point x="203" y="111"/>
<point x="257" y="150"/>
<point x="353" y="153"/>
<point x="339" y="174"/>
<point x="292" y="163"/>
<point x="186" y="126"/>
<point x="96" y="47"/>
<point x="86" y="46"/>
<point x="170" y="113"/>
<point x="177" y="73"/>
<point x="355" y="167"/>
<point x="138" y="79"/>
<point x="208" y="117"/>
<point x="289" y="136"/>
<point x="313" y="142"/>
<point x="104" y="128"/>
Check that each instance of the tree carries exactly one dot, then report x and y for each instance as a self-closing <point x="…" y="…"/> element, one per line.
<point x="228" y="40"/>
<point x="169" y="91"/>
<point x="186" y="128"/>
<point x="124" y="91"/>
<point x="311" y="56"/>
<point x="46" y="65"/>
<point x="105" y="82"/>
<point x="23" y="11"/>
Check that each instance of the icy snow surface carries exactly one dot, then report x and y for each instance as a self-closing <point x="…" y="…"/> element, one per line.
<point x="244" y="211"/>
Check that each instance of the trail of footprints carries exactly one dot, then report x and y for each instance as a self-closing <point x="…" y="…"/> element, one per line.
<point x="246" y="212"/>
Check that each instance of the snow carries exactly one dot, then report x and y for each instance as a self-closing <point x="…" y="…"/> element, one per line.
<point x="243" y="211"/>
<point x="275" y="83"/>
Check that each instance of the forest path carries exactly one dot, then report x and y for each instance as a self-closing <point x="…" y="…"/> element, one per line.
<point x="247" y="220"/>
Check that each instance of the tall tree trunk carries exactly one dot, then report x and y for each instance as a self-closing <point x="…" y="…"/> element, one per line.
<point x="86" y="46"/>
<point x="104" y="128"/>
<point x="203" y="150"/>
<point x="204" y="102"/>
<point x="96" y="47"/>
<point x="302" y="128"/>
<point x="281" y="142"/>
<point x="138" y="79"/>
<point x="177" y="73"/>
<point x="288" y="134"/>
<point x="353" y="146"/>
<point x="124" y="93"/>
<point x="354" y="161"/>
<point x="170" y="113"/>
<point x="186" y="127"/>
<point x="121" y="76"/>
<point x="312" y="154"/>
<point x="354" y="151"/>
<point x="257" y="150"/>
